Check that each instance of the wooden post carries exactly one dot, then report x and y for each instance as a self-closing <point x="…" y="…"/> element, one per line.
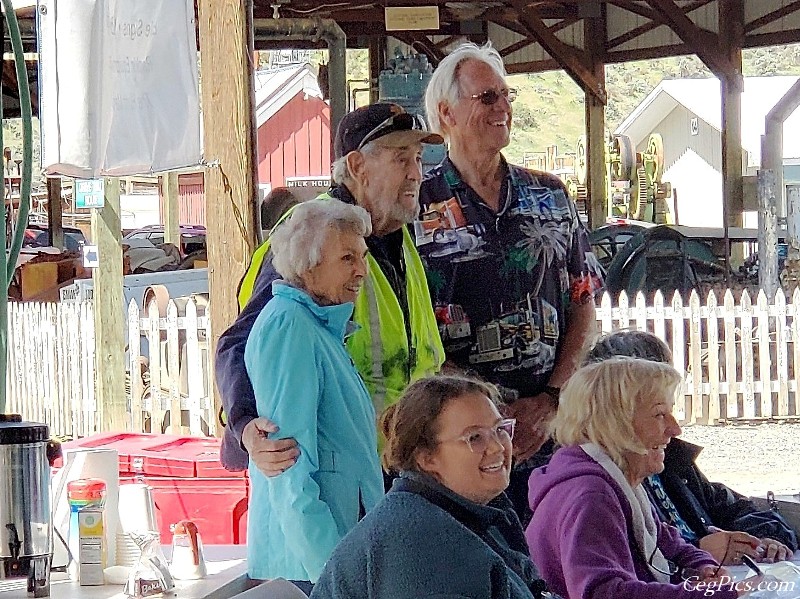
<point x="226" y="51"/>
<point x="731" y="17"/>
<point x="169" y="195"/>
<point x="109" y="313"/>
<point x="596" y="185"/>
<point x="55" y="212"/>
<point x="377" y="58"/>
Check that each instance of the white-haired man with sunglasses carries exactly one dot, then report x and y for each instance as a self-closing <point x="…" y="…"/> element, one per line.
<point x="510" y="267"/>
<point x="378" y="166"/>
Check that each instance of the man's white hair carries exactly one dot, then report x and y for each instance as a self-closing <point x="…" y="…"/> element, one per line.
<point x="444" y="83"/>
<point x="340" y="174"/>
<point x="298" y="243"/>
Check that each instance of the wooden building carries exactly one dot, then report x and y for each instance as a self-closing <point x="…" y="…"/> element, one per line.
<point x="686" y="112"/>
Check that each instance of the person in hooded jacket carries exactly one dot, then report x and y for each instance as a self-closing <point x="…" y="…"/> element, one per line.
<point x="707" y="514"/>
<point x="594" y="534"/>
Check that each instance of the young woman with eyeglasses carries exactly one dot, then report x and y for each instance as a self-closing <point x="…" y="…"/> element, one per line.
<point x="445" y="528"/>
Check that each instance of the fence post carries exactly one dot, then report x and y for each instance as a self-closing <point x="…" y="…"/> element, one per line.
<point x="731" y="357"/>
<point x="135" y="367"/>
<point x="695" y="358"/>
<point x="194" y="370"/>
<point x="764" y="355"/>
<point x="781" y="354"/>
<point x="713" y="359"/>
<point x="749" y="401"/>
<point x="678" y="351"/>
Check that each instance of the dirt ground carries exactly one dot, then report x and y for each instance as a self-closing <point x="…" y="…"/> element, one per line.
<point x="751" y="459"/>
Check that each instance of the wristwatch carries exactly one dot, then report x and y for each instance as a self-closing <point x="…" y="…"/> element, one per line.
<point x="553" y="392"/>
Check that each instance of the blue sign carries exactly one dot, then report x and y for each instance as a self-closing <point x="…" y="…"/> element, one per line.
<point x="89" y="193"/>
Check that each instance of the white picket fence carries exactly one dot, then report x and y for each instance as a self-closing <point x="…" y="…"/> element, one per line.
<point x="740" y="360"/>
<point x="51" y="366"/>
<point x="174" y="393"/>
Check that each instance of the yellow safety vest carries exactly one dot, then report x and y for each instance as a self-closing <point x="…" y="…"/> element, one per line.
<point x="380" y="348"/>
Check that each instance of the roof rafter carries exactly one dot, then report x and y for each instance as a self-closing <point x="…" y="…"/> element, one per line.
<point x="702" y="42"/>
<point x="569" y="59"/>
<point x="654" y="22"/>
<point x="773" y="16"/>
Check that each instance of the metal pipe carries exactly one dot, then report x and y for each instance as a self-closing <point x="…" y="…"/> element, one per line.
<point x="772" y="141"/>
<point x="315" y="30"/>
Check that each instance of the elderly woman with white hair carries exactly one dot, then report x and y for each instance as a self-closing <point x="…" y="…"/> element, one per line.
<point x="304" y="378"/>
<point x="594" y="534"/>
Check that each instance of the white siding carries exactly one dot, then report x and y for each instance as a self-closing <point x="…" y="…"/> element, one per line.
<point x="699" y="190"/>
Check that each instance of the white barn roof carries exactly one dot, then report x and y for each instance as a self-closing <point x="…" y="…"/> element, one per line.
<point x="702" y="97"/>
<point x="275" y="87"/>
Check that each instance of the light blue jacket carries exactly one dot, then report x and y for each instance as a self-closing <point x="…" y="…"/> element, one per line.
<point x="305" y="381"/>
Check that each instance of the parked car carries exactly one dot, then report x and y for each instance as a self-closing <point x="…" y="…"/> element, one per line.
<point x="39" y="236"/>
<point x="193" y="237"/>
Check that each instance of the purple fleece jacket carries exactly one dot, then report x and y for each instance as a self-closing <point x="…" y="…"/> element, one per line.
<point x="579" y="534"/>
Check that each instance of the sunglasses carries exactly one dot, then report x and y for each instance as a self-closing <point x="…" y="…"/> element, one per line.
<point x="491" y="96"/>
<point x="397" y="122"/>
<point x="479" y="439"/>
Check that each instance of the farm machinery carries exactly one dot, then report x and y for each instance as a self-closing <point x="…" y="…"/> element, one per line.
<point x="635" y="188"/>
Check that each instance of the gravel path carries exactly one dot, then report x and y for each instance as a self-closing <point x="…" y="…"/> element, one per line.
<point x="751" y="459"/>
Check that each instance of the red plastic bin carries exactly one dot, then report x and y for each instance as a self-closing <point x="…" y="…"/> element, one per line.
<point x="128" y="445"/>
<point x="217" y="505"/>
<point x="184" y="457"/>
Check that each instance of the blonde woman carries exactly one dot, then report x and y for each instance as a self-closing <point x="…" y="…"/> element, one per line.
<point x="593" y="534"/>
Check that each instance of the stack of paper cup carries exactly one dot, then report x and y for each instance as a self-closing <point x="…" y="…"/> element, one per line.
<point x="127" y="551"/>
<point x="137" y="515"/>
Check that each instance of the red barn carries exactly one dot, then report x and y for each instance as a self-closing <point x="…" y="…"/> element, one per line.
<point x="294" y="125"/>
<point x="294" y="137"/>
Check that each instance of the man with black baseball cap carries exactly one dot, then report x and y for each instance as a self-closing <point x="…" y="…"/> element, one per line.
<point x="378" y="167"/>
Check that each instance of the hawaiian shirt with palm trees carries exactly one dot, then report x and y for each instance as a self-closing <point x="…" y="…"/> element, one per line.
<point x="502" y="282"/>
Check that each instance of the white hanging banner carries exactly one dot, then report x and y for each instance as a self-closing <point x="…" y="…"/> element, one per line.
<point x="118" y="87"/>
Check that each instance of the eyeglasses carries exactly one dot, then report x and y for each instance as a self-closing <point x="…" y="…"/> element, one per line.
<point x="405" y="121"/>
<point x="479" y="439"/>
<point x="491" y="96"/>
<point x="687" y="573"/>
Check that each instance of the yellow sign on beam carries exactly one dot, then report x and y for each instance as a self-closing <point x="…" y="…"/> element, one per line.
<point x="411" y="18"/>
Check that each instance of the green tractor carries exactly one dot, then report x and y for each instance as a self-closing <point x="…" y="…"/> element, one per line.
<point x="633" y="179"/>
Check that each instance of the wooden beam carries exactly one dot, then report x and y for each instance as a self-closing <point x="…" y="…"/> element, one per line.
<point x="508" y="50"/>
<point x="533" y="66"/>
<point x="226" y="71"/>
<point x="595" y="119"/>
<point x="109" y="313"/>
<point x="636" y="9"/>
<point x="731" y="26"/>
<point x="55" y="226"/>
<point x="377" y="60"/>
<point x="703" y="43"/>
<point x="566" y="56"/>
<point x="655" y="22"/>
<point x="774" y="38"/>
<point x="771" y="17"/>
<point x="169" y="207"/>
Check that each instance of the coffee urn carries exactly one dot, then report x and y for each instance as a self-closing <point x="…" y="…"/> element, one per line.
<point x="26" y="532"/>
